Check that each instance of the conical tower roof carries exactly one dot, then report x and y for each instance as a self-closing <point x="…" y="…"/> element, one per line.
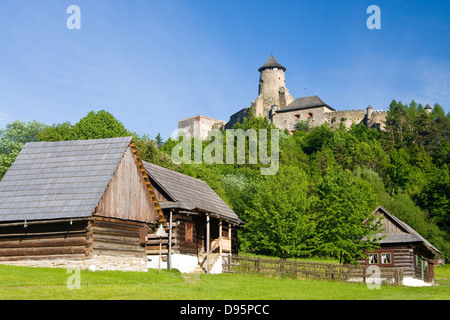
<point x="271" y="63"/>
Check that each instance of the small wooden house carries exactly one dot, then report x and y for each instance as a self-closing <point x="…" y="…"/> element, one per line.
<point x="87" y="200"/>
<point x="404" y="248"/>
<point x="204" y="227"/>
<point x="87" y="203"/>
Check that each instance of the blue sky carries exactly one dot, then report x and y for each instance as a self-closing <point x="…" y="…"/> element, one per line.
<point x="152" y="63"/>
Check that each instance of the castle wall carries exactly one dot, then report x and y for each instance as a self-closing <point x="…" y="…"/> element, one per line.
<point x="377" y="120"/>
<point x="199" y="126"/>
<point x="319" y="116"/>
<point x="347" y="117"/>
<point x="237" y="117"/>
<point x="289" y="120"/>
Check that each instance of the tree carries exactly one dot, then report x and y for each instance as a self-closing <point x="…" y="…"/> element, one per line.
<point x="398" y="169"/>
<point x="159" y="140"/>
<point x="150" y="151"/>
<point x="278" y="220"/>
<point x="345" y="229"/>
<point x="434" y="197"/>
<point x="57" y="132"/>
<point x="13" y="138"/>
<point x="99" y="125"/>
<point x="317" y="138"/>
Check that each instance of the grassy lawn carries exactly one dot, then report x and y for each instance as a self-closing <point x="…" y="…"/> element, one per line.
<point x="40" y="283"/>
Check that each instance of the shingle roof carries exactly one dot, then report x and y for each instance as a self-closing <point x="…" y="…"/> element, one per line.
<point x="409" y="235"/>
<point x="271" y="63"/>
<point x="188" y="193"/>
<point x="305" y="103"/>
<point x="57" y="180"/>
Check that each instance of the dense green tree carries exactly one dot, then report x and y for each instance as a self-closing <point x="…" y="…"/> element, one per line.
<point x="99" y="125"/>
<point x="95" y="125"/>
<point x="434" y="197"/>
<point x="345" y="228"/>
<point x="317" y="138"/>
<point x="57" y="132"/>
<point x="278" y="219"/>
<point x="12" y="139"/>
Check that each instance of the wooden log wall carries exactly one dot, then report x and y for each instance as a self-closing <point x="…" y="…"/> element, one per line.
<point x="114" y="237"/>
<point x="45" y="241"/>
<point x="403" y="257"/>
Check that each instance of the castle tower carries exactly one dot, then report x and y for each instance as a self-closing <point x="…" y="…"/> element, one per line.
<point x="272" y="88"/>
<point x="428" y="109"/>
<point x="369" y="112"/>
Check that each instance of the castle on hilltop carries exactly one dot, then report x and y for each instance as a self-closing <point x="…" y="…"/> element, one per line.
<point x="276" y="103"/>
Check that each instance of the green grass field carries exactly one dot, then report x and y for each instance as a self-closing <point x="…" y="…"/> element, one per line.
<point x="21" y="283"/>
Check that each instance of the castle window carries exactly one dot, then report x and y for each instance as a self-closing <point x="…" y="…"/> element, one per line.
<point x="310" y="115"/>
<point x="296" y="116"/>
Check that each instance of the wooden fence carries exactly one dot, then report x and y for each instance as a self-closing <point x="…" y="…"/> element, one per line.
<point x="307" y="269"/>
<point x="440" y="279"/>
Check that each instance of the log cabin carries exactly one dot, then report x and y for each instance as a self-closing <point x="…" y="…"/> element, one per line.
<point x="404" y="248"/>
<point x="204" y="227"/>
<point x="77" y="200"/>
<point x="92" y="203"/>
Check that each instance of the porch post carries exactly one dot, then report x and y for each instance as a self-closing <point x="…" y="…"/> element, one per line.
<point x="170" y="242"/>
<point x="220" y="237"/>
<point x="208" y="242"/>
<point x="229" y="236"/>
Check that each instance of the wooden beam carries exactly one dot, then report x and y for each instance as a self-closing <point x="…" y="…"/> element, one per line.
<point x="145" y="177"/>
<point x="208" y="242"/>
<point x="39" y="222"/>
<point x="169" y="261"/>
<point x="220" y="237"/>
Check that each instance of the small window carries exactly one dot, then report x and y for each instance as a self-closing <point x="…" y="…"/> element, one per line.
<point x="189" y="232"/>
<point x="386" y="258"/>
<point x="373" y="258"/>
<point x="225" y="234"/>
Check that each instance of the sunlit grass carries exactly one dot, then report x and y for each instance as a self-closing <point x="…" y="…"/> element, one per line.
<point x="41" y="283"/>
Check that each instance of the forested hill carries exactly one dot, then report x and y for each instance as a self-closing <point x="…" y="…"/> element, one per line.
<point x="328" y="180"/>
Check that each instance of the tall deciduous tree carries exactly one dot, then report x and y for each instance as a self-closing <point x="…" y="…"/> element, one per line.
<point x="279" y="223"/>
<point x="99" y="125"/>
<point x="345" y="228"/>
<point x="13" y="138"/>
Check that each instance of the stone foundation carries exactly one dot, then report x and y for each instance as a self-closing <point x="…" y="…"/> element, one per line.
<point x="97" y="263"/>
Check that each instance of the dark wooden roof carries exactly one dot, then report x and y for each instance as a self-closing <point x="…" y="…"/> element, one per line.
<point x="188" y="193"/>
<point x="271" y="63"/>
<point x="403" y="234"/>
<point x="305" y="103"/>
<point x="59" y="180"/>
